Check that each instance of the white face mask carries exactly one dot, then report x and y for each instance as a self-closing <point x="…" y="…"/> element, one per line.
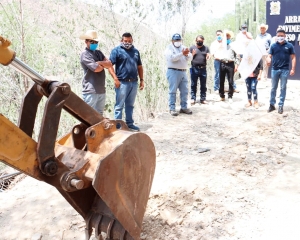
<point x="177" y="44"/>
<point x="280" y="39"/>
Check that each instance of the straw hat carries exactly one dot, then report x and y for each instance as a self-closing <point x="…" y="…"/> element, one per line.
<point x="91" y="35"/>
<point x="263" y="26"/>
<point x="229" y="33"/>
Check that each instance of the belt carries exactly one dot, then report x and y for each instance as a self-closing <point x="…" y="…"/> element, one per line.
<point x="226" y="61"/>
<point x="177" y="69"/>
<point x="129" y="80"/>
<point x="199" y="66"/>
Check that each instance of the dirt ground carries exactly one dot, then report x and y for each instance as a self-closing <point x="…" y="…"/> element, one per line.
<point x="246" y="187"/>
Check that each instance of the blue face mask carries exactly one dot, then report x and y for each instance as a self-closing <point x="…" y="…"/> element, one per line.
<point x="219" y="38"/>
<point x="228" y="41"/>
<point x="93" y="46"/>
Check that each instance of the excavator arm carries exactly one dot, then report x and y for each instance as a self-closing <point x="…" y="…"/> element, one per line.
<point x="100" y="167"/>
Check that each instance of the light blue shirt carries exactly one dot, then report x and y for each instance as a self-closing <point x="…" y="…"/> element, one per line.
<point x="266" y="38"/>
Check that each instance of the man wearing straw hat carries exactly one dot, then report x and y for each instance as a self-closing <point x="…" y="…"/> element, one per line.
<point x="93" y="63"/>
<point x="265" y="39"/>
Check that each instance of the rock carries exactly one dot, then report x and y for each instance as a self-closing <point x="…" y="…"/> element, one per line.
<point x="143" y="236"/>
<point x="280" y="146"/>
<point x="37" y="236"/>
<point x="258" y="150"/>
<point x="202" y="150"/>
<point x="169" y="217"/>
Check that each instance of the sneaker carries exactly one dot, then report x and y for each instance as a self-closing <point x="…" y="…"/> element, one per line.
<point x="236" y="90"/>
<point x="216" y="91"/>
<point x="271" y="108"/>
<point x="174" y="113"/>
<point x="230" y="100"/>
<point x="280" y="109"/>
<point x="193" y="101"/>
<point x="133" y="128"/>
<point x="203" y="102"/>
<point x="186" y="111"/>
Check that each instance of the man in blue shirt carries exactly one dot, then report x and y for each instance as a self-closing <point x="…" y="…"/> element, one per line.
<point x="280" y="54"/>
<point x="128" y="66"/>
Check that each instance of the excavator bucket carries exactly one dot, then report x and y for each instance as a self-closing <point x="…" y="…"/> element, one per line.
<point x="104" y="170"/>
<point x="121" y="174"/>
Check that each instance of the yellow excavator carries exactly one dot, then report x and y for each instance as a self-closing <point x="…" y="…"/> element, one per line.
<point x="104" y="170"/>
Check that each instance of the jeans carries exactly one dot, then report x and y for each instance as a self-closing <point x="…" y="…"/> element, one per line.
<point x="177" y="79"/>
<point x="251" y="83"/>
<point x="281" y="74"/>
<point x="217" y="75"/>
<point x="125" y="95"/>
<point x="195" y="74"/>
<point x="226" y="69"/>
<point x="96" y="101"/>
<point x="217" y="64"/>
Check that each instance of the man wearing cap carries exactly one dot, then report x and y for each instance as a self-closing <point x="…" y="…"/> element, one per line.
<point x="128" y="68"/>
<point x="177" y="57"/>
<point x="279" y="55"/>
<point x="242" y="39"/>
<point x="265" y="39"/>
<point x="93" y="63"/>
<point x="229" y="62"/>
<point x="200" y="54"/>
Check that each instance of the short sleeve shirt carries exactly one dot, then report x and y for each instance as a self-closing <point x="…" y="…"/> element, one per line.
<point x="199" y="59"/>
<point x="281" y="54"/>
<point x="126" y="62"/>
<point x="92" y="82"/>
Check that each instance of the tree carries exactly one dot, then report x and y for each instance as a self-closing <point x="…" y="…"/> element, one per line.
<point x="184" y="8"/>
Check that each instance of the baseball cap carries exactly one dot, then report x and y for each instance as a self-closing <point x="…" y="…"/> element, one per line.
<point x="176" y="36"/>
<point x="244" y="26"/>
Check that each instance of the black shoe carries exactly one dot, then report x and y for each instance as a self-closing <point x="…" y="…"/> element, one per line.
<point x="280" y="109"/>
<point x="271" y="108"/>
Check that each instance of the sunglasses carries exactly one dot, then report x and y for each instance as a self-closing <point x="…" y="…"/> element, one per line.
<point x="93" y="42"/>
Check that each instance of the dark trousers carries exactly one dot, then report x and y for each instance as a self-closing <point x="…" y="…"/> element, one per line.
<point x="195" y="74"/>
<point x="226" y="69"/>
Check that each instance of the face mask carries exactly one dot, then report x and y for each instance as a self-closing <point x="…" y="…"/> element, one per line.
<point x="177" y="44"/>
<point x="200" y="44"/>
<point x="228" y="41"/>
<point x="219" y="38"/>
<point x="93" y="46"/>
<point x="127" y="45"/>
<point x="280" y="39"/>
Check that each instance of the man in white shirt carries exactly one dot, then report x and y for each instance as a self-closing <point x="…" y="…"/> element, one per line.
<point x="177" y="57"/>
<point x="215" y="45"/>
<point x="242" y="39"/>
<point x="216" y="48"/>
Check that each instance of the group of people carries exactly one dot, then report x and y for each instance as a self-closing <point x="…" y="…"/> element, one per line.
<point x="125" y="66"/>
<point x="227" y="58"/>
